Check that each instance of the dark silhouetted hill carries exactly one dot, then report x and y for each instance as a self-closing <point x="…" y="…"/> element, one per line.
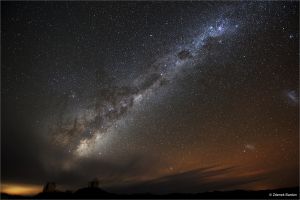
<point x="91" y="192"/>
<point x="53" y="195"/>
<point x="97" y="193"/>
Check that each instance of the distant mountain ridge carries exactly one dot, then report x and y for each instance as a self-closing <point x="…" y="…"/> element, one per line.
<point x="98" y="193"/>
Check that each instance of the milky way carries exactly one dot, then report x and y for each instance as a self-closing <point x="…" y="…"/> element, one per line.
<point x="90" y="127"/>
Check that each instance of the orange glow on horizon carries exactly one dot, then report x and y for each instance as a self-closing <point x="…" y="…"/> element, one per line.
<point x="20" y="189"/>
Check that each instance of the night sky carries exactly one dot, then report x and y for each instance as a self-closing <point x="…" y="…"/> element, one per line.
<point x="150" y="96"/>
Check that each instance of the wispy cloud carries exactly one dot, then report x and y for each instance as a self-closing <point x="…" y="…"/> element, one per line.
<point x="194" y="181"/>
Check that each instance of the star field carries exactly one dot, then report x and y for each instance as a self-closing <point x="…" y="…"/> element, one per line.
<point x="138" y="92"/>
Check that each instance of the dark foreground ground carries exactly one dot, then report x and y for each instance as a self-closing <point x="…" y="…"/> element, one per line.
<point x="97" y="193"/>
